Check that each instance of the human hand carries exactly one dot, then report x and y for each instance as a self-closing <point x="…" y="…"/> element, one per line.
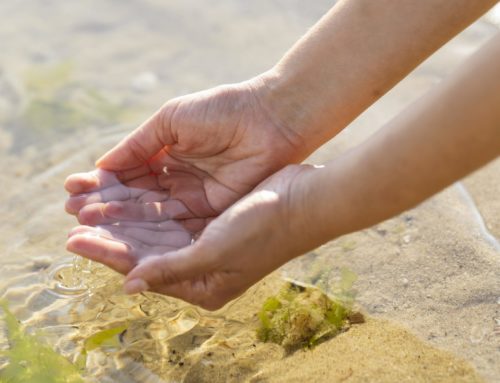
<point x="201" y="152"/>
<point x="250" y="239"/>
<point x="194" y="158"/>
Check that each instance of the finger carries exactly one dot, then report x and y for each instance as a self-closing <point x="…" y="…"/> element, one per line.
<point x="98" y="179"/>
<point x="138" y="245"/>
<point x="114" y="193"/>
<point x="113" y="250"/>
<point x="115" y="211"/>
<point x="149" y="211"/>
<point x="170" y="269"/>
<point x="143" y="143"/>
<point x="174" y="238"/>
<point x="192" y="225"/>
<point x="116" y="255"/>
<point x="93" y="214"/>
<point x="90" y="181"/>
<point x="155" y="226"/>
<point x="118" y="192"/>
<point x="106" y="234"/>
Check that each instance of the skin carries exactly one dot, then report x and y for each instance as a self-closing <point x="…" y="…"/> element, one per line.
<point x="221" y="144"/>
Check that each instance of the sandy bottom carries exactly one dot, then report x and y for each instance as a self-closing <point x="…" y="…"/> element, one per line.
<point x="376" y="350"/>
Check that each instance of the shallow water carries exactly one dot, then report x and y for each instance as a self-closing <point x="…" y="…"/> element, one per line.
<point x="75" y="77"/>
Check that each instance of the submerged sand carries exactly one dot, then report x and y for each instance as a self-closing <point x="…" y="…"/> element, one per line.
<point x="222" y="346"/>
<point x="377" y="350"/>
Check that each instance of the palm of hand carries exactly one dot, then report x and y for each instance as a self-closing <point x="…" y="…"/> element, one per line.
<point x="209" y="149"/>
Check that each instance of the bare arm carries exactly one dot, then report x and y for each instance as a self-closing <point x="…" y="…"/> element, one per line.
<point x="450" y="132"/>
<point x="354" y="55"/>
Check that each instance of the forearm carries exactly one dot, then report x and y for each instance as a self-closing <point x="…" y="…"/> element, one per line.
<point x="354" y="55"/>
<point x="444" y="136"/>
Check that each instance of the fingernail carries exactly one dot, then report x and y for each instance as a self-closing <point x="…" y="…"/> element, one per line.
<point x="135" y="286"/>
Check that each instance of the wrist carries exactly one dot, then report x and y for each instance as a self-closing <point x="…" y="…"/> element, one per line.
<point x="292" y="105"/>
<point x="308" y="210"/>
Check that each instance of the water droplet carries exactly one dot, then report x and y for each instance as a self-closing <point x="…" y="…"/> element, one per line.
<point x="66" y="280"/>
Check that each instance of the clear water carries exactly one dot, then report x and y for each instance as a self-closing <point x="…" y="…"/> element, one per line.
<point x="76" y="76"/>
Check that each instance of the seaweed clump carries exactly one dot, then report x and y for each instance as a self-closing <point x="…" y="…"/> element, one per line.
<point x="300" y="316"/>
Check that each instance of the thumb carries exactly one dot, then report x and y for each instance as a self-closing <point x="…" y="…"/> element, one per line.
<point x="165" y="273"/>
<point x="142" y="144"/>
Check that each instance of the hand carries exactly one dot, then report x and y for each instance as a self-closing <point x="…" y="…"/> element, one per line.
<point x="194" y="158"/>
<point x="202" y="152"/>
<point x="249" y="240"/>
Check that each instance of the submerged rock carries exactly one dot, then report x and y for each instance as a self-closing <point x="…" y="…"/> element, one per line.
<point x="301" y="316"/>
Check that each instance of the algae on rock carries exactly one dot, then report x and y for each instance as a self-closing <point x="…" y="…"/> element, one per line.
<point x="301" y="317"/>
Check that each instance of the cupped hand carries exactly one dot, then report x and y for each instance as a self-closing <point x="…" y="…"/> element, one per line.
<point x="193" y="159"/>
<point x="250" y="239"/>
<point x="199" y="153"/>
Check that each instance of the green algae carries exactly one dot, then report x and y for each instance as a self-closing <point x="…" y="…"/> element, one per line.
<point x="300" y="316"/>
<point x="31" y="361"/>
